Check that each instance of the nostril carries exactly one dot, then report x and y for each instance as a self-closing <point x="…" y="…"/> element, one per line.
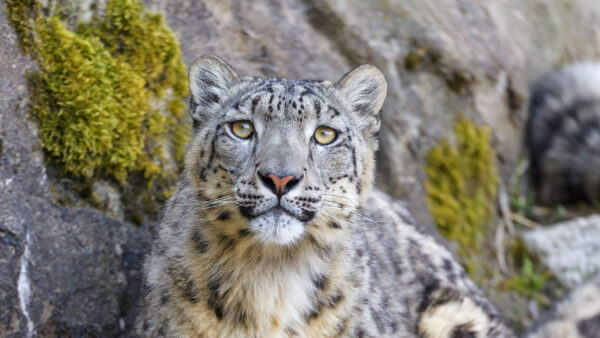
<point x="292" y="183"/>
<point x="267" y="182"/>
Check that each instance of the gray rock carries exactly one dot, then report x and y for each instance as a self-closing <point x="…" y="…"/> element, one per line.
<point x="71" y="272"/>
<point x="571" y="249"/>
<point x="108" y="198"/>
<point x="63" y="271"/>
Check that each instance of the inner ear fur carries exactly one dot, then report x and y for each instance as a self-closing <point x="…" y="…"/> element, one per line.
<point x="364" y="88"/>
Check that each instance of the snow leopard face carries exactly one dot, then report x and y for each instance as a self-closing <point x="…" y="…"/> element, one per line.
<point x="280" y="160"/>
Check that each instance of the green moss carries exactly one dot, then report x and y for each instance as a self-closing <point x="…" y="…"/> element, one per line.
<point x="98" y="93"/>
<point x="91" y="107"/>
<point x="141" y="40"/>
<point x="22" y="14"/>
<point x="461" y="188"/>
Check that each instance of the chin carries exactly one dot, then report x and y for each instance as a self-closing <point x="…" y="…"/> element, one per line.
<point x="277" y="227"/>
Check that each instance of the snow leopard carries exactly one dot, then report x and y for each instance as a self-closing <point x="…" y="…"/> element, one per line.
<point x="275" y="228"/>
<point x="576" y="316"/>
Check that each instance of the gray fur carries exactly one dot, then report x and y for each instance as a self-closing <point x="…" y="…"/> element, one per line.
<point x="333" y="257"/>
<point x="577" y="316"/>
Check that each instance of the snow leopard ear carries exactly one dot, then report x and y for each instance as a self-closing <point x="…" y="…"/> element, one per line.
<point x="210" y="77"/>
<point x="364" y="89"/>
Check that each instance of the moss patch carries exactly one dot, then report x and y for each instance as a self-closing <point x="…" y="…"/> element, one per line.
<point x="91" y="107"/>
<point x="109" y="95"/>
<point x="22" y="14"/>
<point x="461" y="189"/>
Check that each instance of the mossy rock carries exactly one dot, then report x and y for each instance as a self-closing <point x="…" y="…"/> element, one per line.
<point x="108" y="96"/>
<point x="461" y="188"/>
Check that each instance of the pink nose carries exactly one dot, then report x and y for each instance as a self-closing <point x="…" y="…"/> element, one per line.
<point x="280" y="183"/>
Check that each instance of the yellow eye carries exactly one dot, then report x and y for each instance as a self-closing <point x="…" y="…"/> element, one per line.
<point x="325" y="135"/>
<point x="242" y="129"/>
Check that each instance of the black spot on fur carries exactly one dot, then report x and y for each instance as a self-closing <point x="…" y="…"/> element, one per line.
<point x="214" y="300"/>
<point x="334" y="225"/>
<point x="320" y="281"/>
<point x="314" y="313"/>
<point x="317" y="105"/>
<point x="184" y="283"/>
<point x="254" y="104"/>
<point x="223" y="216"/>
<point x="323" y="250"/>
<point x="210" y="158"/>
<point x="335" y="300"/>
<point x="430" y="286"/>
<point x="354" y="169"/>
<point x="334" y="111"/>
<point x="199" y="241"/>
<point x="244" y="232"/>
<point x="329" y="303"/>
<point x="463" y="331"/>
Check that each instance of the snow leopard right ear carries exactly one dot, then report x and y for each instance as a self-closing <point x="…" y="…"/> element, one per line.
<point x="210" y="77"/>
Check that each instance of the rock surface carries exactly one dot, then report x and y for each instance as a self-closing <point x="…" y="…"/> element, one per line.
<point x="68" y="271"/>
<point x="63" y="271"/>
<point x="571" y="249"/>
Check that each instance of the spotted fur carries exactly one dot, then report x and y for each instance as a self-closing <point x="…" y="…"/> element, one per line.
<point x="577" y="316"/>
<point x="331" y="257"/>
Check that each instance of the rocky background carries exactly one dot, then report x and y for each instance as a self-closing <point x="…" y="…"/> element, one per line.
<point x="72" y="268"/>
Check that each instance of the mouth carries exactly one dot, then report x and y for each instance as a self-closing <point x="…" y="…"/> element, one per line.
<point x="302" y="216"/>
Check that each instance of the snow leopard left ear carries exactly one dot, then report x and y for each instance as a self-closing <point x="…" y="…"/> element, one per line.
<point x="210" y="78"/>
<point x="364" y="89"/>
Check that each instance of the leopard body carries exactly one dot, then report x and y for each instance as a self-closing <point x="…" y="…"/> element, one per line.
<point x="330" y="257"/>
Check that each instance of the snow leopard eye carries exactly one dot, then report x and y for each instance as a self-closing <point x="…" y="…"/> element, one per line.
<point x="242" y="129"/>
<point x="325" y="135"/>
